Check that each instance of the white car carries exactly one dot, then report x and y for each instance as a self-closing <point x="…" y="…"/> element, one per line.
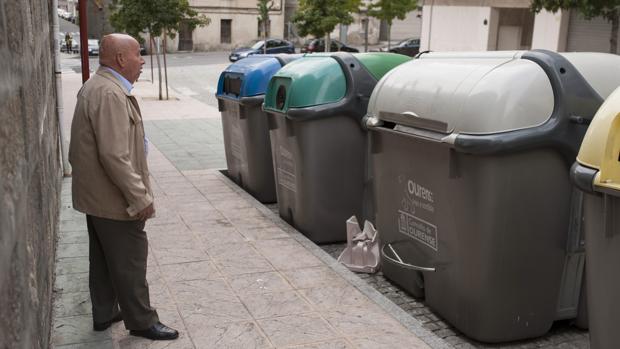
<point x="93" y="47"/>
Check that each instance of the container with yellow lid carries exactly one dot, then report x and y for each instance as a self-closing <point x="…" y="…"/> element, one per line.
<point x="597" y="173"/>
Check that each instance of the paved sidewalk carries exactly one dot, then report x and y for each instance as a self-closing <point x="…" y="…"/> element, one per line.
<point x="223" y="269"/>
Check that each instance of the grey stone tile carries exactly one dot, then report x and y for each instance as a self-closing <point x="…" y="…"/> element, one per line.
<point x="215" y="237"/>
<point x="266" y="305"/>
<point x="297" y="329"/>
<point x="72" y="250"/>
<point x="76" y="330"/>
<point x="178" y="254"/>
<point x="77" y="282"/>
<point x="313" y="277"/>
<point x="330" y="297"/>
<point x="264" y="234"/>
<point x="72" y="304"/>
<point x="189" y="271"/>
<point x="286" y="254"/>
<point x="72" y="265"/>
<point x="73" y="237"/>
<point x="390" y="341"/>
<point x="332" y="344"/>
<point x="208" y="302"/>
<point x="73" y="225"/>
<point x="238" y="258"/>
<point x="131" y="342"/>
<point x="258" y="283"/>
<point x="107" y="344"/>
<point x="252" y="222"/>
<point x="244" y="335"/>
<point x="363" y="322"/>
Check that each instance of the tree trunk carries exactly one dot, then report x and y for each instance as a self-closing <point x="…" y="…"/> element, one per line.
<point x="613" y="41"/>
<point x="328" y="43"/>
<point x="151" y="54"/>
<point x="389" y="32"/>
<point x="158" y="71"/>
<point x="166" y="65"/>
<point x="366" y="34"/>
<point x="265" y="36"/>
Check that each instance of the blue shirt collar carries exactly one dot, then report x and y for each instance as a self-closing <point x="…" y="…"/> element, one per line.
<point x="128" y="86"/>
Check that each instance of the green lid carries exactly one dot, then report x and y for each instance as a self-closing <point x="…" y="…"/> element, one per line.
<point x="318" y="79"/>
<point x="308" y="81"/>
<point x="378" y="63"/>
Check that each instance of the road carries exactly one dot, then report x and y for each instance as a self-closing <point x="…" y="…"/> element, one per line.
<point x="191" y="74"/>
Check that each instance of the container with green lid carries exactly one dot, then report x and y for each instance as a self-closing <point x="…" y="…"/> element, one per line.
<point x="315" y="106"/>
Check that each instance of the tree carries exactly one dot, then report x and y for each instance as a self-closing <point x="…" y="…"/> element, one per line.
<point x="264" y="6"/>
<point x="388" y="10"/>
<point x="320" y="17"/>
<point x="157" y="18"/>
<point x="608" y="9"/>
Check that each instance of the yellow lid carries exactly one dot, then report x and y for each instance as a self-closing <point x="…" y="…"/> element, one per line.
<point x="601" y="145"/>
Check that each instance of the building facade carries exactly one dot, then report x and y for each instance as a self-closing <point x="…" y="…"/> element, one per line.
<point x="233" y="24"/>
<point x="481" y="25"/>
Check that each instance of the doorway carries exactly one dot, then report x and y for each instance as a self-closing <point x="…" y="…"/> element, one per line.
<point x="186" y="43"/>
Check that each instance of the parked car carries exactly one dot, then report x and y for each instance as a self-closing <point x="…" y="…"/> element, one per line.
<point x="273" y="46"/>
<point x="318" y="45"/>
<point x="409" y="47"/>
<point x="93" y="47"/>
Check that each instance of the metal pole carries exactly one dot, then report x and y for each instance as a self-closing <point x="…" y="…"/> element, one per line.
<point x="83" y="4"/>
<point x="64" y="141"/>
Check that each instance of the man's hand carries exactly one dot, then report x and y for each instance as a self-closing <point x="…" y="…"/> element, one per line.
<point x="147" y="213"/>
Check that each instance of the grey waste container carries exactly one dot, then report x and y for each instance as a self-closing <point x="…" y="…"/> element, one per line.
<point x="597" y="173"/>
<point x="240" y="94"/>
<point x="470" y="156"/>
<point x="315" y="107"/>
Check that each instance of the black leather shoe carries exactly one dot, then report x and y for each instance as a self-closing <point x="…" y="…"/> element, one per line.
<point x="102" y="326"/>
<point x="157" y="332"/>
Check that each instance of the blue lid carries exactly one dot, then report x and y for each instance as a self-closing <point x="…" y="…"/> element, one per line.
<point x="247" y="77"/>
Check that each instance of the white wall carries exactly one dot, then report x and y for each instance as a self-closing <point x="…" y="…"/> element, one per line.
<point x="550" y="31"/>
<point x="456" y="28"/>
<point x="410" y="27"/>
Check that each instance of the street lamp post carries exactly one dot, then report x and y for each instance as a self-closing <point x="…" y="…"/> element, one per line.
<point x="83" y="9"/>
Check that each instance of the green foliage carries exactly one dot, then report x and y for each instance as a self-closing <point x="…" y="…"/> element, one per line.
<point x="320" y="17"/>
<point x="156" y="17"/>
<point x="589" y="8"/>
<point x="387" y="10"/>
<point x="264" y="6"/>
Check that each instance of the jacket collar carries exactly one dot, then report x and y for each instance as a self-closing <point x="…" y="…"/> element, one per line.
<point x="105" y="73"/>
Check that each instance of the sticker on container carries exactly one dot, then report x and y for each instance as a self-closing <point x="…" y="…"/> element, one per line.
<point x="286" y="169"/>
<point x="417" y="202"/>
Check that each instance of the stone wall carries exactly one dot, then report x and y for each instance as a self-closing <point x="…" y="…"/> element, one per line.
<point x="29" y="173"/>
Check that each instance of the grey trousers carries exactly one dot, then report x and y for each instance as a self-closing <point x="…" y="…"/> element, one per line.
<point x="117" y="275"/>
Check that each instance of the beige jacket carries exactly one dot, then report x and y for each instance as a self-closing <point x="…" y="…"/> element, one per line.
<point x="110" y="173"/>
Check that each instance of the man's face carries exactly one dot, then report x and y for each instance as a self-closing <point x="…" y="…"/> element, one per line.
<point x="134" y="62"/>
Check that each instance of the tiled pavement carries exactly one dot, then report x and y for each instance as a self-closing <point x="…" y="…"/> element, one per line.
<point x="228" y="273"/>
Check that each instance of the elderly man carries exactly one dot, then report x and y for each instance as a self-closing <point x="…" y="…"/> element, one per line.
<point x="111" y="186"/>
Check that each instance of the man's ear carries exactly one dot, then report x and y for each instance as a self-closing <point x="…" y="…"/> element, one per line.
<point x="120" y="59"/>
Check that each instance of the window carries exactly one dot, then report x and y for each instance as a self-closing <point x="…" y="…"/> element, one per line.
<point x="226" y="31"/>
<point x="273" y="43"/>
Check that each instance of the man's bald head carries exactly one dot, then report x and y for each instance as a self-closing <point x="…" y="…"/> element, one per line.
<point x="113" y="44"/>
<point x="121" y="52"/>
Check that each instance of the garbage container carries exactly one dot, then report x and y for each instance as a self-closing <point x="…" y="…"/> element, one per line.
<point x="315" y="107"/>
<point x="597" y="173"/>
<point x="240" y="94"/>
<point x="470" y="157"/>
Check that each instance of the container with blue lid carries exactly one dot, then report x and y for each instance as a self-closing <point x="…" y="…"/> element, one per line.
<point x="240" y="94"/>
